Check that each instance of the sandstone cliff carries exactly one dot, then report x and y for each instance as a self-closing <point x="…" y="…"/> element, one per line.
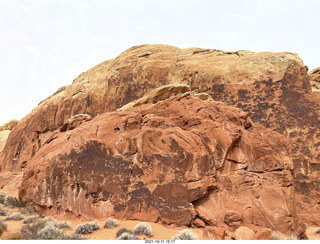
<point x="272" y="87"/>
<point x="167" y="157"/>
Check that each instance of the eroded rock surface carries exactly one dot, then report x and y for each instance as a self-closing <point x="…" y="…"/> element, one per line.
<point x="314" y="77"/>
<point x="170" y="162"/>
<point x="273" y="88"/>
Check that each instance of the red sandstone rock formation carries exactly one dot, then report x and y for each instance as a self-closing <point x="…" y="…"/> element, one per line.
<point x="272" y="87"/>
<point x="167" y="161"/>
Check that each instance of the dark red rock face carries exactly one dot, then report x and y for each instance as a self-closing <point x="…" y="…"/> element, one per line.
<point x="180" y="160"/>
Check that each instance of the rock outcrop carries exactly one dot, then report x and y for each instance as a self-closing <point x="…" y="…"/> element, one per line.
<point x="169" y="161"/>
<point x="314" y="77"/>
<point x="5" y="131"/>
<point x="273" y="88"/>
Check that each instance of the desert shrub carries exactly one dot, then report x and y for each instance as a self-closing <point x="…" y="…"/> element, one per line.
<point x="123" y="230"/>
<point x="2" y="197"/>
<point x="185" y="235"/>
<point x="110" y="222"/>
<point x="62" y="224"/>
<point x="143" y="228"/>
<point x="28" y="210"/>
<point x="14" y="236"/>
<point x="3" y="225"/>
<point x="30" y="231"/>
<point x="30" y="219"/>
<point x="87" y="227"/>
<point x="50" y="232"/>
<point x="75" y="237"/>
<point x="15" y="216"/>
<point x="128" y="236"/>
<point x="3" y="212"/>
<point x="11" y="201"/>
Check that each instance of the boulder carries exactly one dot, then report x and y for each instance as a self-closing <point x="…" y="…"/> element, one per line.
<point x="167" y="162"/>
<point x="214" y="233"/>
<point x="262" y="234"/>
<point x="243" y="233"/>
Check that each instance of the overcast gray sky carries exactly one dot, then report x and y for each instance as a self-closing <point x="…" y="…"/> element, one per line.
<point x="46" y="44"/>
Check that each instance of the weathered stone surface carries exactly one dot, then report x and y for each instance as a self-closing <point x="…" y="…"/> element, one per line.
<point x="3" y="138"/>
<point x="199" y="223"/>
<point x="262" y="234"/>
<point x="166" y="163"/>
<point x="314" y="77"/>
<point x="273" y="88"/>
<point x="214" y="233"/>
<point x="244" y="233"/>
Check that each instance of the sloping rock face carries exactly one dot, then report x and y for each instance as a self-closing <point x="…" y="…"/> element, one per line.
<point x="170" y="162"/>
<point x="3" y="138"/>
<point x="272" y="87"/>
<point x="314" y="77"/>
<point x="5" y="131"/>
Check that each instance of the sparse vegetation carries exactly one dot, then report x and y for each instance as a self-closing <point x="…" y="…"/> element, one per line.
<point x="28" y="210"/>
<point x="128" y="236"/>
<point x="30" y="231"/>
<point x="3" y="225"/>
<point x="15" y="216"/>
<point x="15" y="236"/>
<point x="30" y="219"/>
<point x="87" y="227"/>
<point x="3" y="212"/>
<point x="143" y="228"/>
<point x="76" y="237"/>
<point x="2" y="197"/>
<point x="50" y="232"/>
<point x="47" y="229"/>
<point x="123" y="230"/>
<point x="185" y="234"/>
<point x="110" y="222"/>
<point x="12" y="202"/>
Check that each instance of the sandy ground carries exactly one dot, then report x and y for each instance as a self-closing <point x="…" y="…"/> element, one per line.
<point x="160" y="231"/>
